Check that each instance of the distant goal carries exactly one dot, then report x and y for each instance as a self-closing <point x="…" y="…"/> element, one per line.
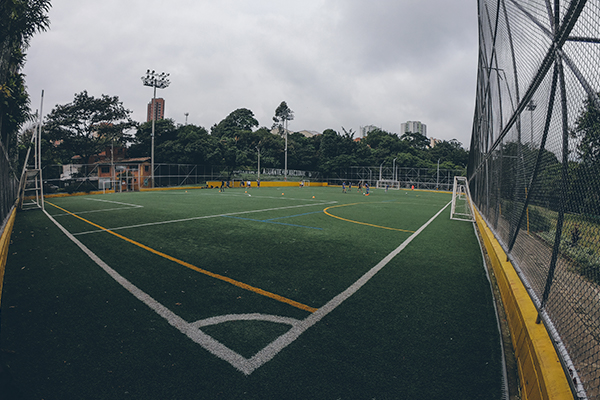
<point x="462" y="209"/>
<point x="388" y="183"/>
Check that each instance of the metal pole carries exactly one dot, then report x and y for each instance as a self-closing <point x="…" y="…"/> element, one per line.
<point x="153" y="109"/>
<point x="437" y="183"/>
<point x="286" y="147"/>
<point x="258" y="172"/>
<point x="39" y="148"/>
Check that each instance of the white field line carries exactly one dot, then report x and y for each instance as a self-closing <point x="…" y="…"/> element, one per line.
<point x="203" y="217"/>
<point x="267" y="353"/>
<point x="183" y="326"/>
<point x="128" y="207"/>
<point x="114" y="202"/>
<point x="242" y="364"/>
<point x="254" y="193"/>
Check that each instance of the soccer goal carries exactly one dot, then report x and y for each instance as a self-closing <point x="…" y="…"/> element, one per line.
<point x="384" y="183"/>
<point x="461" y="200"/>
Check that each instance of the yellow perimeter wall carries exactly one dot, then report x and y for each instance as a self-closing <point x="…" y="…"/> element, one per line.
<point x="4" y="242"/>
<point x="236" y="184"/>
<point x="540" y="371"/>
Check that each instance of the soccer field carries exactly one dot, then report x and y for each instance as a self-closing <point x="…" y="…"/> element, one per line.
<point x="271" y="293"/>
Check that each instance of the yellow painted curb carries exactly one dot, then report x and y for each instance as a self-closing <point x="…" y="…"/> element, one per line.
<point x="4" y="242"/>
<point x="540" y="371"/>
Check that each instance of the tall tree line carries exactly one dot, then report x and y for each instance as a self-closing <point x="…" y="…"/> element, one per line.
<point x="83" y="127"/>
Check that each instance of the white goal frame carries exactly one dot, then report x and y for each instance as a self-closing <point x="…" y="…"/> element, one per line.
<point x="382" y="183"/>
<point x="462" y="196"/>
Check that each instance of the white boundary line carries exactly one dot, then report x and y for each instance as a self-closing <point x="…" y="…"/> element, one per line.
<point x="244" y="365"/>
<point x="129" y="207"/>
<point x="203" y="217"/>
<point x="114" y="202"/>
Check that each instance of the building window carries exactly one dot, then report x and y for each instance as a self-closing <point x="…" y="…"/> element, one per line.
<point x="146" y="168"/>
<point x="105" y="170"/>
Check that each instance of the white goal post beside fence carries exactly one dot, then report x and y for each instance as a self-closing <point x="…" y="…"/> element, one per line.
<point x="462" y="209"/>
<point x="385" y="183"/>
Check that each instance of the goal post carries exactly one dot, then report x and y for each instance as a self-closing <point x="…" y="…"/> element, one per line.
<point x="384" y="183"/>
<point x="462" y="209"/>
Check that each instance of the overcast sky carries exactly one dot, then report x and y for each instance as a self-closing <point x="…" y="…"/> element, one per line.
<point x="336" y="63"/>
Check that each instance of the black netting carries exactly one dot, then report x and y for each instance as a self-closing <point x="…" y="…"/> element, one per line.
<point x="534" y="169"/>
<point x="9" y="187"/>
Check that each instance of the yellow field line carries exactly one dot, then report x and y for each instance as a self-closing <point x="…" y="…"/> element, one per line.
<point x="361" y="223"/>
<point x="193" y="267"/>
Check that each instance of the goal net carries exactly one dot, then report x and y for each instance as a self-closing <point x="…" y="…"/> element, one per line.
<point x="384" y="183"/>
<point x="461" y="200"/>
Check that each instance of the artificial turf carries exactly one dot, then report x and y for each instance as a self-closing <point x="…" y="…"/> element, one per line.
<point x="422" y="327"/>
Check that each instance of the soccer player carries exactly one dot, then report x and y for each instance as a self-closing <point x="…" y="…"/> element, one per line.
<point x="344" y="187"/>
<point x="367" y="188"/>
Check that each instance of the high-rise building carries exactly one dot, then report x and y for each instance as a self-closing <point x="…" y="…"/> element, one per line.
<point x="413" y="127"/>
<point x="364" y="130"/>
<point x="156" y="106"/>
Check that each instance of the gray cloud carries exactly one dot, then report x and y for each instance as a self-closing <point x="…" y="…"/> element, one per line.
<point x="335" y="62"/>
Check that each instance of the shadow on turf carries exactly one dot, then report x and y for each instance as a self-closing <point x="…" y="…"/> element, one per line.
<point x="8" y="389"/>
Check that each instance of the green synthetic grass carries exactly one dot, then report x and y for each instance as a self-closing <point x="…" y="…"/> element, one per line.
<point x="423" y="327"/>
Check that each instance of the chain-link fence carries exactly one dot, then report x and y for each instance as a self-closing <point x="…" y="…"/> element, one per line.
<point x="534" y="169"/>
<point x="9" y="187"/>
<point x="135" y="174"/>
<point x="408" y="177"/>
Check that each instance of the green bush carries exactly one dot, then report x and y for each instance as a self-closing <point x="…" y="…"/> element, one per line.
<point x="538" y="221"/>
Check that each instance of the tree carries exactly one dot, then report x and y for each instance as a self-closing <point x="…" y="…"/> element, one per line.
<point x="164" y="130"/>
<point x="19" y="21"/>
<point x="235" y="139"/>
<point x="239" y="120"/>
<point x="87" y="125"/>
<point x="585" y="191"/>
<point x="283" y="114"/>
<point x="416" y="140"/>
<point x="587" y="129"/>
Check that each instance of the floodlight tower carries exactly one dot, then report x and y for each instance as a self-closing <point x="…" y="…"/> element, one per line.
<point x="160" y="81"/>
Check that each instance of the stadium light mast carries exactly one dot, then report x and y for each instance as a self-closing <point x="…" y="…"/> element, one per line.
<point x="160" y="81"/>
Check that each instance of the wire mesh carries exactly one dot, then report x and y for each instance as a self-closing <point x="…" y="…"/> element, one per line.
<point x="9" y="187"/>
<point x="534" y="168"/>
